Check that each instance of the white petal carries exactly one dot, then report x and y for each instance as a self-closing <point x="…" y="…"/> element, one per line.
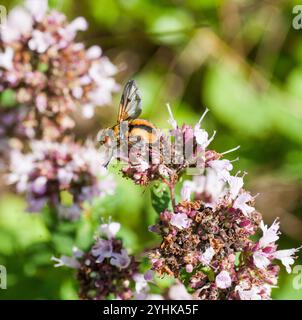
<point x="180" y="220"/>
<point x="235" y="183"/>
<point x="223" y="280"/>
<point x="270" y="235"/>
<point x="260" y="259"/>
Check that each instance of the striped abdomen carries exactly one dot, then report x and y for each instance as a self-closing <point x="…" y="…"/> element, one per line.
<point x="144" y="129"/>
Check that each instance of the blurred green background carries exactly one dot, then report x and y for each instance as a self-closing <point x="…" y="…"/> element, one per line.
<point x="242" y="59"/>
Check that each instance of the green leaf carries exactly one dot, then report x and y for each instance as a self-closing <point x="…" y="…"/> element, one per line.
<point x="160" y="197"/>
<point x="209" y="272"/>
<point x="163" y="282"/>
<point x="185" y="277"/>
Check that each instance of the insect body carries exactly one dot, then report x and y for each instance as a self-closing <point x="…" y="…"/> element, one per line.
<point x="128" y="125"/>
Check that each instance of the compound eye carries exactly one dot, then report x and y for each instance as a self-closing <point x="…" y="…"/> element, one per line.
<point x="104" y="140"/>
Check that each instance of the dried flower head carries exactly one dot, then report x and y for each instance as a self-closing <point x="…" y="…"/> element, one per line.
<point x="207" y="244"/>
<point x="206" y="240"/>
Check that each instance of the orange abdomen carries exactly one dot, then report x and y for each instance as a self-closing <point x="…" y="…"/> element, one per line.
<point x="144" y="129"/>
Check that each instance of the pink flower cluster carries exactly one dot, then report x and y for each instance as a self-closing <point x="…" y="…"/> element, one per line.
<point x="106" y="270"/>
<point x="43" y="68"/>
<point x="53" y="171"/>
<point x="45" y="77"/>
<point x="211" y="251"/>
<point x="208" y="239"/>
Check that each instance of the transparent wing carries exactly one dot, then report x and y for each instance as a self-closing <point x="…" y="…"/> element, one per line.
<point x="130" y="105"/>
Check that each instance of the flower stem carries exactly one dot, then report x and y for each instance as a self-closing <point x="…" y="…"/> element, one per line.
<point x="171" y="187"/>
